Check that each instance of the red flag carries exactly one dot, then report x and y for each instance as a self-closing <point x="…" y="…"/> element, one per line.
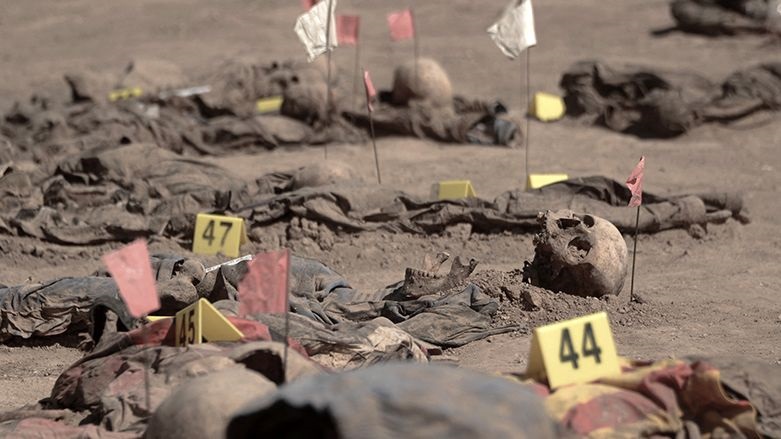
<point x="371" y="93"/>
<point x="401" y="25"/>
<point x="132" y="271"/>
<point x="307" y="4"/>
<point x="264" y="288"/>
<point x="635" y="183"/>
<point x="347" y="29"/>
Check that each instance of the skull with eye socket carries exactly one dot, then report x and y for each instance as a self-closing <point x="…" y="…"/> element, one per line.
<point x="582" y="255"/>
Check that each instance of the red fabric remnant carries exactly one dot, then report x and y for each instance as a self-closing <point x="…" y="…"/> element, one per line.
<point x="296" y="346"/>
<point x="610" y="410"/>
<point x="635" y="183"/>
<point x="71" y="382"/>
<point x="250" y="329"/>
<point x="307" y="4"/>
<point x="401" y="25"/>
<point x="371" y="93"/>
<point x="347" y="29"/>
<point x="155" y="333"/>
<point x="264" y="288"/>
<point x="703" y="379"/>
<point x="663" y="386"/>
<point x="656" y="398"/>
<point x="132" y="271"/>
<point x="540" y="389"/>
<point x="126" y="381"/>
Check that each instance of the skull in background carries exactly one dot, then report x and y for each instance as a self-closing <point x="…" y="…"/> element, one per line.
<point x="203" y="406"/>
<point x="323" y="173"/>
<point x="583" y="255"/>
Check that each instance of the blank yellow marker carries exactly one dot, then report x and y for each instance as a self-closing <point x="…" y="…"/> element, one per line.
<point x="456" y="190"/>
<point x="547" y="107"/>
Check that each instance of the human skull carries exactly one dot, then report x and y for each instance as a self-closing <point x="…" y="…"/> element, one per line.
<point x="323" y="173"/>
<point x="582" y="255"/>
<point x="431" y="85"/>
<point x="202" y="407"/>
<point x="305" y="102"/>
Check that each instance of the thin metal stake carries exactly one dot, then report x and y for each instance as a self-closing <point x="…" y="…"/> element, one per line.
<point x="634" y="257"/>
<point x="147" y="387"/>
<point x="415" y="46"/>
<point x="287" y="313"/>
<point x="328" y="71"/>
<point x="374" y="145"/>
<point x="355" y="73"/>
<point x="528" y="105"/>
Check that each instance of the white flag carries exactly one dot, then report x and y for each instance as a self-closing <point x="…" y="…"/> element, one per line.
<point x="514" y="32"/>
<point x="311" y="29"/>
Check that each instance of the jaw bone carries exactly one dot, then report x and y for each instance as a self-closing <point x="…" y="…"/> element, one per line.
<point x="427" y="281"/>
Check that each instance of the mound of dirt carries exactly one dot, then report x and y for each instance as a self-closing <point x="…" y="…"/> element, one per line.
<point x="530" y="306"/>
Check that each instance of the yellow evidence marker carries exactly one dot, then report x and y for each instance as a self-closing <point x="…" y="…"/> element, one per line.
<point x="124" y="93"/>
<point x="547" y="107"/>
<point x="200" y="321"/>
<point x="536" y="181"/>
<point x="156" y="318"/>
<point x="573" y="351"/>
<point x="269" y="105"/>
<point x="218" y="234"/>
<point x="456" y="190"/>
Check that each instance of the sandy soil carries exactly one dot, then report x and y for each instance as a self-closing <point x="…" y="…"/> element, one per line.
<point x="716" y="294"/>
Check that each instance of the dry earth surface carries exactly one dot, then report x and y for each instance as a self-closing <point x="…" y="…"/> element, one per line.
<point x="713" y="294"/>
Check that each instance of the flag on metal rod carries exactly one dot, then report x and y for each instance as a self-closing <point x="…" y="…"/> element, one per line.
<point x="264" y="288"/>
<point x="401" y="25"/>
<point x="514" y="32"/>
<point x="132" y="271"/>
<point x="347" y="29"/>
<point x="635" y="183"/>
<point x="311" y="28"/>
<point x="371" y="93"/>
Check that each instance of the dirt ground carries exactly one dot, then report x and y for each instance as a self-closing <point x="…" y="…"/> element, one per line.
<point x="714" y="294"/>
